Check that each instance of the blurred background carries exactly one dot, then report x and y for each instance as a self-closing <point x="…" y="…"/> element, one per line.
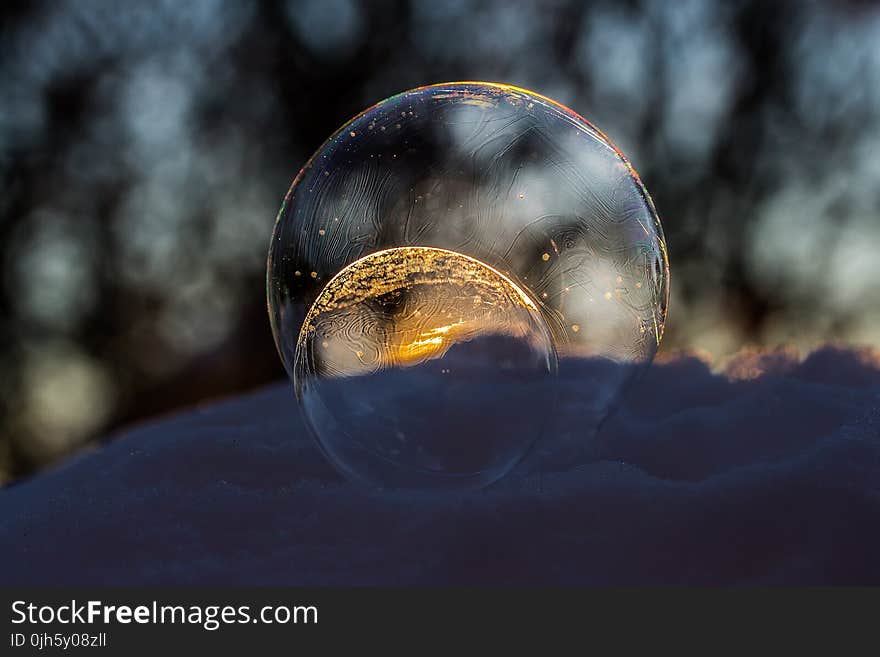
<point x="145" y="148"/>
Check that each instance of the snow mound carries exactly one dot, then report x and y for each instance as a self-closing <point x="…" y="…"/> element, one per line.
<point x="768" y="473"/>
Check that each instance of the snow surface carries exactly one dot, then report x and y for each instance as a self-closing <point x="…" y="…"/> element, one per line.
<point x="770" y="477"/>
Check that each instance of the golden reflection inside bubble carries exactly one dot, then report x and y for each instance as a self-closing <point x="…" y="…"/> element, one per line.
<point x="403" y="306"/>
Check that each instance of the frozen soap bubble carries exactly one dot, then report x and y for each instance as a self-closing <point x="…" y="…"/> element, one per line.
<point x="457" y="271"/>
<point x="405" y="356"/>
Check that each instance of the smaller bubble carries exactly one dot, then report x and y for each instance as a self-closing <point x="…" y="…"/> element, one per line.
<point x="545" y="257"/>
<point x="431" y="350"/>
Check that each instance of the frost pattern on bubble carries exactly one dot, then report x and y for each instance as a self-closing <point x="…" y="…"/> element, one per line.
<point x="434" y="264"/>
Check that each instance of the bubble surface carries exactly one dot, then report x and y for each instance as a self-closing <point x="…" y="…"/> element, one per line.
<point x="436" y="263"/>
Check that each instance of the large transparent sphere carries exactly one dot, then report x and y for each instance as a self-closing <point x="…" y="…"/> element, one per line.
<point x="457" y="272"/>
